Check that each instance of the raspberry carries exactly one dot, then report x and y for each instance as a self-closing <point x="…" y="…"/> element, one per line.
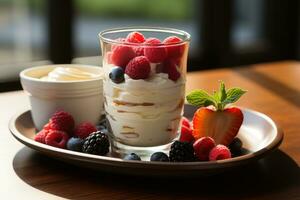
<point x="219" y="152"/>
<point x="176" y="50"/>
<point x="84" y="129"/>
<point x="185" y="122"/>
<point x="135" y="37"/>
<point x="57" y="138"/>
<point x="138" y="68"/>
<point x="121" y="55"/>
<point x="40" y="136"/>
<point x="202" y="147"/>
<point x="119" y="40"/>
<point x="154" y="52"/>
<point x="186" y="135"/>
<point x="62" y="121"/>
<point x="139" y="51"/>
<point x="170" y="68"/>
<point x="47" y="126"/>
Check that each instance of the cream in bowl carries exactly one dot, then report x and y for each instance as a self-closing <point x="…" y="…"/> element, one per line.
<point x="76" y="89"/>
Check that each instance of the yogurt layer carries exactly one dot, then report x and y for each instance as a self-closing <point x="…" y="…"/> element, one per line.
<point x="144" y="112"/>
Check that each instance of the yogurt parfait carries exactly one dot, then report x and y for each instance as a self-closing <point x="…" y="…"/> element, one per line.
<point x="144" y="84"/>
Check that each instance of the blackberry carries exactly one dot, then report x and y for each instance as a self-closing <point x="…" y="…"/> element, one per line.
<point x="181" y="152"/>
<point x="96" y="143"/>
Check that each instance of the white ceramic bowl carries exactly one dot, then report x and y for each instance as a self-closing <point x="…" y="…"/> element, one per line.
<point x="83" y="99"/>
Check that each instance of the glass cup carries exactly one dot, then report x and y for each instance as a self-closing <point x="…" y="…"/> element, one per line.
<point x="144" y="86"/>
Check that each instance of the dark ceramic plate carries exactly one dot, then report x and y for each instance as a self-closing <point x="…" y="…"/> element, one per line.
<point x="259" y="134"/>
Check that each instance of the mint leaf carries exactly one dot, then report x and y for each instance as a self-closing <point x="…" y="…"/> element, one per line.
<point x="200" y="98"/>
<point x="233" y="95"/>
<point x="222" y="92"/>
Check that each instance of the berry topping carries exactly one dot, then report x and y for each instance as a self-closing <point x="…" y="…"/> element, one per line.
<point x="186" y="134"/>
<point x="135" y="37"/>
<point x="96" y="143"/>
<point x="155" y="52"/>
<point x="219" y="152"/>
<point x="132" y="156"/>
<point x="159" y="156"/>
<point x="121" y="55"/>
<point x="202" y="147"/>
<point x="119" y="40"/>
<point x="40" y="136"/>
<point x="170" y="68"/>
<point x="117" y="75"/>
<point x="181" y="152"/>
<point x="220" y="123"/>
<point x="84" y="129"/>
<point x="176" y="50"/>
<point x="75" y="144"/>
<point x="185" y="122"/>
<point x="62" y="121"/>
<point x="57" y="138"/>
<point x="236" y="146"/>
<point x="138" y="68"/>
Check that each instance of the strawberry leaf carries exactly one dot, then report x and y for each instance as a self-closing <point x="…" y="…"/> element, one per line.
<point x="233" y="95"/>
<point x="200" y="98"/>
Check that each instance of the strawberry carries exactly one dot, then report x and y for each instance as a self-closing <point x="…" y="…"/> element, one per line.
<point x="213" y="118"/>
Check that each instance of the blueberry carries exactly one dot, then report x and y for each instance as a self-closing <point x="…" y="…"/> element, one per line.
<point x="132" y="156"/>
<point x="236" y="146"/>
<point x="117" y="75"/>
<point x="159" y="156"/>
<point x="75" y="144"/>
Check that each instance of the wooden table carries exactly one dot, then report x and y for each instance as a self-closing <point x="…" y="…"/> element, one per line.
<point x="273" y="88"/>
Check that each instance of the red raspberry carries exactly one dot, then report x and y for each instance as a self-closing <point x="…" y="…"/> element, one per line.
<point x="47" y="126"/>
<point x="40" y="136"/>
<point x="57" y="138"/>
<point x="139" y="51"/>
<point x="138" y="68"/>
<point x="62" y="121"/>
<point x="135" y="37"/>
<point x="121" y="55"/>
<point x="176" y="50"/>
<point x="186" y="135"/>
<point x="84" y="129"/>
<point x="185" y="122"/>
<point x="170" y="68"/>
<point x="155" y="52"/>
<point x="118" y="40"/>
<point x="219" y="152"/>
<point x="203" y="146"/>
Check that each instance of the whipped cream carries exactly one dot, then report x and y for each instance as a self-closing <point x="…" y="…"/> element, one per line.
<point x="69" y="74"/>
<point x="144" y="112"/>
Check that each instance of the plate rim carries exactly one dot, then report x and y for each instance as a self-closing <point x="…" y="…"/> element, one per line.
<point x="73" y="155"/>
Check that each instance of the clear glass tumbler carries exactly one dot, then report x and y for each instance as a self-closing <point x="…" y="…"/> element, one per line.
<point x="144" y="86"/>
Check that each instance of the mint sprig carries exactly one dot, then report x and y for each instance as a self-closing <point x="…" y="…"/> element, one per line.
<point x="219" y="99"/>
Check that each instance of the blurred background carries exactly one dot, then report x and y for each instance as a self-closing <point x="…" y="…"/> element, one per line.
<point x="225" y="33"/>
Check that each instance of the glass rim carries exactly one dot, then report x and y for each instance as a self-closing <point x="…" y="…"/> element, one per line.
<point x="186" y="39"/>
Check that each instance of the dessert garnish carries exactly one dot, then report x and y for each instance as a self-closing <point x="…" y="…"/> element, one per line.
<point x="215" y="118"/>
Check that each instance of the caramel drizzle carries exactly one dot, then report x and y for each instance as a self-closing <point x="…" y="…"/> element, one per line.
<point x="123" y="103"/>
<point x="130" y="134"/>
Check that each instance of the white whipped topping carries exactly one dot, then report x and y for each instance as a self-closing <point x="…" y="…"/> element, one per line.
<point x="69" y="74"/>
